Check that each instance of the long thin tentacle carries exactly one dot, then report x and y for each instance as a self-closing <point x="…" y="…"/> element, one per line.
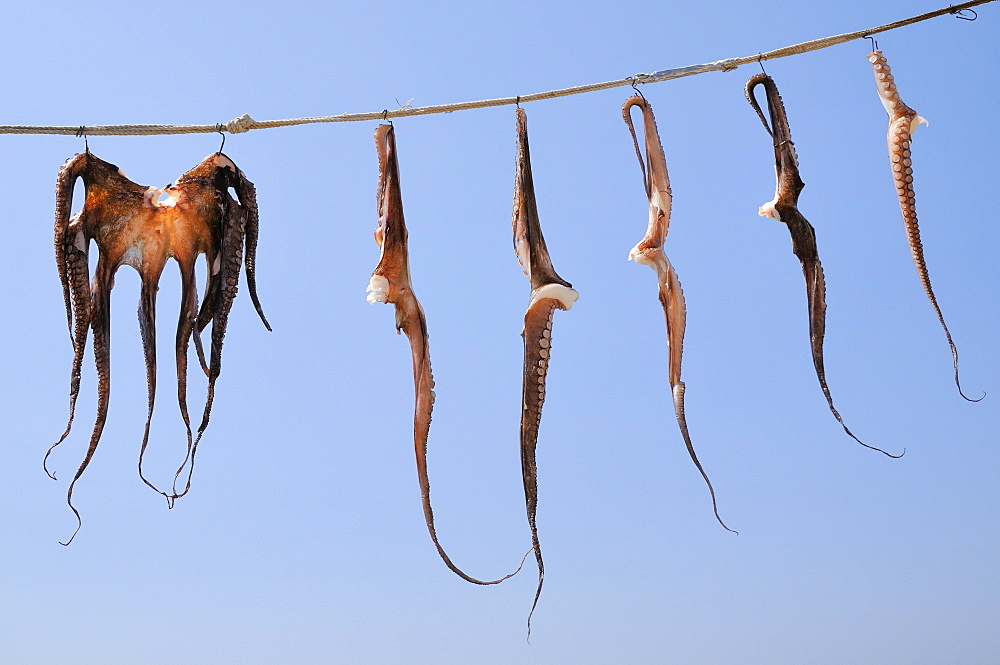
<point x="78" y="277"/>
<point x="903" y="121"/>
<point x="784" y="208"/>
<point x="71" y="247"/>
<point x="103" y="282"/>
<point x="147" y="331"/>
<point x="65" y="182"/>
<point x="649" y="251"/>
<point x="548" y="292"/>
<point x="390" y="283"/>
<point x="247" y="194"/>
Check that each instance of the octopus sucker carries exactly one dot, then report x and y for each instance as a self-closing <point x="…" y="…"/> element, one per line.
<point x="131" y="226"/>
<point x="903" y="121"/>
<point x="789" y="187"/>
<point x="390" y="283"/>
<point x="649" y="251"/>
<point x="549" y="292"/>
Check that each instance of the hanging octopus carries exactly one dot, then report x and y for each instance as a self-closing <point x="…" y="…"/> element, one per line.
<point x="390" y="283"/>
<point x="784" y="208"/>
<point x="134" y="225"/>
<point x="903" y="121"/>
<point x="549" y="292"/>
<point x="649" y="251"/>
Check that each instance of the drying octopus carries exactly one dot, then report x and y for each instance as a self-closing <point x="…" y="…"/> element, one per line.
<point x="903" y="121"/>
<point x="784" y="208"/>
<point x="390" y="283"/>
<point x="549" y="292"/>
<point x="649" y="251"/>
<point x="135" y="225"/>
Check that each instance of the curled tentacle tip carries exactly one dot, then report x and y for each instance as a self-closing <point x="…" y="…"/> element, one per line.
<point x="66" y="544"/>
<point x="726" y="527"/>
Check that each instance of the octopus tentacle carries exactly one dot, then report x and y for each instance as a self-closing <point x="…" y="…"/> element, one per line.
<point x="548" y="292"/>
<point x="147" y="331"/>
<point x="78" y="276"/>
<point x="65" y="182"/>
<point x="74" y="274"/>
<point x="103" y="281"/>
<point x="390" y="283"/>
<point x="649" y="251"/>
<point x="239" y="218"/>
<point x="784" y="208"/>
<point x="247" y="194"/>
<point x="229" y="272"/>
<point x="903" y="121"/>
<point x="207" y="310"/>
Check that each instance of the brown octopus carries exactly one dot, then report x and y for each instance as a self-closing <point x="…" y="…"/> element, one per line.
<point x="549" y="292"/>
<point x="132" y="225"/>
<point x="784" y="208"/>
<point x="390" y="283"/>
<point x="649" y="251"/>
<point x="903" y="121"/>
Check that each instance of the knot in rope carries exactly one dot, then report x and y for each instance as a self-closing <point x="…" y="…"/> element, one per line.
<point x="244" y="123"/>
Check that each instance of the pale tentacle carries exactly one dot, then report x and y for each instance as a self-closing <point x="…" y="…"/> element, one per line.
<point x="649" y="251"/>
<point x="903" y="121"/>
<point x="784" y="208"/>
<point x="390" y="283"/>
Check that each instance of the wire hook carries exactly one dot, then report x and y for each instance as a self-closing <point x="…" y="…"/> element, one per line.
<point x="760" y="61"/>
<point x="517" y="101"/>
<point x="219" y="128"/>
<point x="637" y="91"/>
<point x="82" y="132"/>
<point x="874" y="43"/>
<point x="957" y="13"/>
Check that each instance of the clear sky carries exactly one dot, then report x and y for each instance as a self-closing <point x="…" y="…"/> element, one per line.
<point x="303" y="539"/>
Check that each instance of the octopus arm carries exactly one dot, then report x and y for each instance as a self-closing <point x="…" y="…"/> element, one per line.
<point x="903" y="121"/>
<point x="549" y="292"/>
<point x="390" y="283"/>
<point x="649" y="251"/>
<point x="784" y="208"/>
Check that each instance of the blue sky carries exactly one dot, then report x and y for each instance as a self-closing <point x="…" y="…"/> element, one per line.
<point x="303" y="540"/>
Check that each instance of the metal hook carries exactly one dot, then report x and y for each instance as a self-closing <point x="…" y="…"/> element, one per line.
<point x="874" y="43"/>
<point x="957" y="13"/>
<point x="517" y="101"/>
<point x="82" y="132"/>
<point x="637" y="91"/>
<point x="219" y="128"/>
<point x="760" y="61"/>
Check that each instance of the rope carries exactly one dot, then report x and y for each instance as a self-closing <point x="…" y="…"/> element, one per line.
<point x="245" y="123"/>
